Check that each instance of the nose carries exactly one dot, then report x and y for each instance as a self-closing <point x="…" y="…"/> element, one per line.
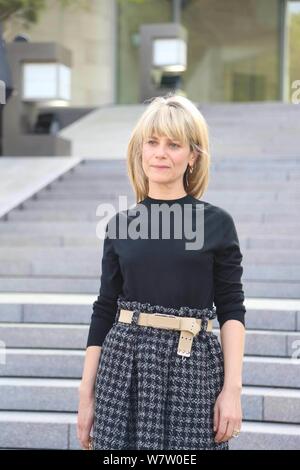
<point x="160" y="150"/>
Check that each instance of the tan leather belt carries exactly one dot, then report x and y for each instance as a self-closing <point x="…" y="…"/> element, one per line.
<point x="189" y="326"/>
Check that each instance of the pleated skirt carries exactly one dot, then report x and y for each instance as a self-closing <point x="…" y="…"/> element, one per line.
<point x="149" y="397"/>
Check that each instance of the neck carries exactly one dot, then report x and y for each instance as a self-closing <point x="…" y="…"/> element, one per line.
<point x="167" y="194"/>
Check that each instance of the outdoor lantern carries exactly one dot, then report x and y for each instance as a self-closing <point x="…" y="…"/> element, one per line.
<point x="169" y="54"/>
<point x="46" y="81"/>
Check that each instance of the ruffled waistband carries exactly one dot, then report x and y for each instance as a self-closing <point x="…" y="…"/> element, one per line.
<point x="184" y="311"/>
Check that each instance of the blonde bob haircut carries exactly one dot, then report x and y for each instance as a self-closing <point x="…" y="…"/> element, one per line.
<point x="177" y="118"/>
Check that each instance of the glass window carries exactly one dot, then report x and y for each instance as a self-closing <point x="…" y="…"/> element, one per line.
<point x="233" y="48"/>
<point x="132" y="14"/>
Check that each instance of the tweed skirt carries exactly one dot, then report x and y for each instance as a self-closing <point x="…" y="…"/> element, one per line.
<point x="149" y="397"/>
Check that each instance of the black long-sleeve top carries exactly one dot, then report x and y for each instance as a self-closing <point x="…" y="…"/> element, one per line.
<point x="162" y="271"/>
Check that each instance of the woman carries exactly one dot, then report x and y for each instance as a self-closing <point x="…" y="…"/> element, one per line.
<point x="162" y="380"/>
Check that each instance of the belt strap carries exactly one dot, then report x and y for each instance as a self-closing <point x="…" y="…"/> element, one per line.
<point x="188" y="326"/>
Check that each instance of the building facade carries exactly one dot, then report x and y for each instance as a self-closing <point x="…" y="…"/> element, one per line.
<point x="238" y="50"/>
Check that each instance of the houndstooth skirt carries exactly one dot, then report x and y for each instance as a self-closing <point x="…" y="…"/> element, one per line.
<point x="149" y="397"/>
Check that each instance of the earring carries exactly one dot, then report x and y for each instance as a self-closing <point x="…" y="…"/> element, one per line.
<point x="191" y="169"/>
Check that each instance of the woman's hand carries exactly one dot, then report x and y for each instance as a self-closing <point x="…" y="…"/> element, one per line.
<point x="227" y="414"/>
<point x="85" y="418"/>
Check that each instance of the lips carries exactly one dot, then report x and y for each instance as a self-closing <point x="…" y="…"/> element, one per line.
<point x="157" y="166"/>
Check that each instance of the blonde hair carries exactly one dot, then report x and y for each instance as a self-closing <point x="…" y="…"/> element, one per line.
<point x="176" y="117"/>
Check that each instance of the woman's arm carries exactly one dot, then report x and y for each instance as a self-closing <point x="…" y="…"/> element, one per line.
<point x="91" y="362"/>
<point x="233" y="343"/>
<point x="86" y="404"/>
<point x="229" y="300"/>
<point x="228" y="408"/>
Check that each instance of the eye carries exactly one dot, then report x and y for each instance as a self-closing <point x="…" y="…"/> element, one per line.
<point x="176" y="145"/>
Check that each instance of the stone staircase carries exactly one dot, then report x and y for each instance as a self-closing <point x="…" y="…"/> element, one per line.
<point x="49" y="247"/>
<point x="238" y="130"/>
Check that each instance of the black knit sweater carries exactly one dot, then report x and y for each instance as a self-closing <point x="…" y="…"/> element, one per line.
<point x="162" y="271"/>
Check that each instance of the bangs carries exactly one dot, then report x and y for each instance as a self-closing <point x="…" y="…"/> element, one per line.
<point x="166" y="121"/>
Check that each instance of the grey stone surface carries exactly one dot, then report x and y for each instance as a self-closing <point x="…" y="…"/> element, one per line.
<point x="284" y="408"/>
<point x="21" y="430"/>
<point x="51" y="313"/>
<point x="266" y="343"/>
<point x="39" y="394"/>
<point x="10" y="312"/>
<point x="267" y="436"/>
<point x="42" y="363"/>
<point x="268" y="319"/>
<point x="50" y="284"/>
<point x="277" y="372"/>
<point x="24" y="335"/>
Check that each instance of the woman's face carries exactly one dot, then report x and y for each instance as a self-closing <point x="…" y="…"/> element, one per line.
<point x="165" y="160"/>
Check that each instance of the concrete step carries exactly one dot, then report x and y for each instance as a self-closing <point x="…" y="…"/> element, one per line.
<point x="59" y="363"/>
<point x="69" y="311"/>
<point x="85" y="264"/>
<point x="42" y="363"/>
<point x="44" y="240"/>
<point x="271" y="289"/>
<point x="77" y="309"/>
<point x="260" y="174"/>
<point x="61" y="395"/>
<point x="54" y="215"/>
<point x="34" y="430"/>
<point x="44" y="430"/>
<point x="267" y="436"/>
<point x="267" y="272"/>
<point x="214" y="196"/>
<point x="49" y="394"/>
<point x="87" y="285"/>
<point x="248" y="244"/>
<point x="59" y="195"/>
<point x="56" y="254"/>
<point x="271" y="257"/>
<point x="67" y="204"/>
<point x="104" y="183"/>
<point x="60" y="228"/>
<point x="60" y="261"/>
<point x="271" y="404"/>
<point x="288" y="242"/>
<point x="73" y="228"/>
<point x="90" y="216"/>
<point x="218" y="184"/>
<point x="286" y="181"/>
<point x="271" y="371"/>
<point x="236" y="206"/>
<point x="257" y="177"/>
<point x="90" y="285"/>
<point x="90" y="265"/>
<point x="50" y="336"/>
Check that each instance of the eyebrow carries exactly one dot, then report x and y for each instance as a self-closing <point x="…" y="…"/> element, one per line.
<point x="156" y="138"/>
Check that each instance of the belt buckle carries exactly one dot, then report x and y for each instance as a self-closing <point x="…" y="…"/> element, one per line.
<point x="185" y="343"/>
<point x="164" y="315"/>
<point x="163" y="320"/>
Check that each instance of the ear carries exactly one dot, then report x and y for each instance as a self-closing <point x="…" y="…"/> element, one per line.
<point x="193" y="158"/>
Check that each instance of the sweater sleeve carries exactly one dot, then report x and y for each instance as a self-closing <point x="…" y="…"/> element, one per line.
<point x="105" y="307"/>
<point x="228" y="288"/>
